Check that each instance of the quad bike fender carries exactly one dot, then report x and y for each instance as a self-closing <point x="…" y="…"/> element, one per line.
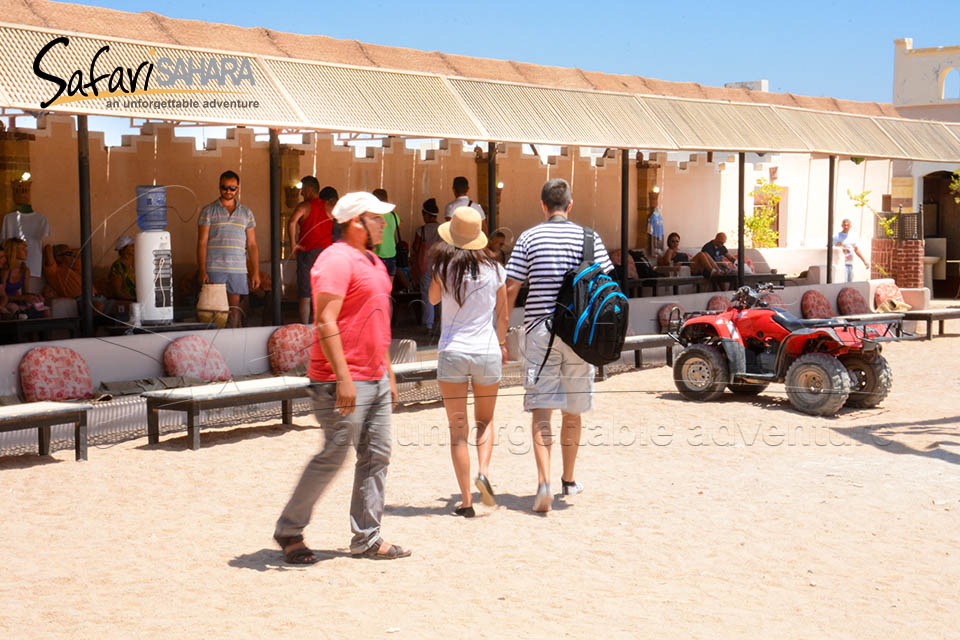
<point x="707" y="325"/>
<point x="794" y="345"/>
<point x="736" y="357"/>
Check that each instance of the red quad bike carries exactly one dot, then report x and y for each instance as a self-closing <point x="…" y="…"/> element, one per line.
<point x="825" y="364"/>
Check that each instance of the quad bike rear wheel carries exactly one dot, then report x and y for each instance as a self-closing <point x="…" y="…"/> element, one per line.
<point x="870" y="380"/>
<point x="817" y="383"/>
<point x="701" y="372"/>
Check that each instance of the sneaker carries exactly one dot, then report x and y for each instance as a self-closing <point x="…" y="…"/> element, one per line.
<point x="542" y="502"/>
<point x="486" y="491"/>
<point x="571" y="488"/>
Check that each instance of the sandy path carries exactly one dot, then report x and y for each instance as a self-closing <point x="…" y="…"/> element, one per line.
<point x="736" y="518"/>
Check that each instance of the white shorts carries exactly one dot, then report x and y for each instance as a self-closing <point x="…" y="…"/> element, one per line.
<point x="566" y="381"/>
<point x="483" y="369"/>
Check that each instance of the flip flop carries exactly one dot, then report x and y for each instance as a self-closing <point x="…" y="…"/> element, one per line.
<point x="466" y="512"/>
<point x="486" y="491"/>
<point x="303" y="555"/>
<point x="393" y="552"/>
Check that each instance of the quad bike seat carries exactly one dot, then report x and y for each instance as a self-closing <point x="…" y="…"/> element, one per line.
<point x="791" y="322"/>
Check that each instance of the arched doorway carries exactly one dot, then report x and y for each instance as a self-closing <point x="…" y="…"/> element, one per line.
<point x="941" y="218"/>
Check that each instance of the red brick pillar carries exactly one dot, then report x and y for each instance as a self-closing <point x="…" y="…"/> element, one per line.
<point x="881" y="255"/>
<point x="908" y="264"/>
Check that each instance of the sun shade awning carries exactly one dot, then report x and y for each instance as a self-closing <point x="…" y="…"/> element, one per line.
<point x="225" y="97"/>
<point x="342" y="98"/>
<point x="522" y="113"/>
<point x="220" y="87"/>
<point x="698" y="124"/>
<point x="840" y="134"/>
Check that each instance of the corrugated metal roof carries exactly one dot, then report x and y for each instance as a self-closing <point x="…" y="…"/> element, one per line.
<point x="922" y="140"/>
<point x="26" y="90"/>
<point x="344" y="98"/>
<point x="840" y="134"/>
<point x="524" y="113"/>
<point x="699" y="124"/>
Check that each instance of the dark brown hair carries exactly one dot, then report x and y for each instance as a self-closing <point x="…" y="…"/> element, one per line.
<point x="451" y="265"/>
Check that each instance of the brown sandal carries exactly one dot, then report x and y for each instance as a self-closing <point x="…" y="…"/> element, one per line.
<point x="303" y="555"/>
<point x="393" y="552"/>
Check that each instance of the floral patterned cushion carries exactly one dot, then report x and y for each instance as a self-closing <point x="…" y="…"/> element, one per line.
<point x="850" y="302"/>
<point x="195" y="357"/>
<point x="815" y="305"/>
<point x="718" y="303"/>
<point x="887" y="291"/>
<point x="54" y="373"/>
<point x="664" y="314"/>
<point x="774" y="300"/>
<point x="289" y="347"/>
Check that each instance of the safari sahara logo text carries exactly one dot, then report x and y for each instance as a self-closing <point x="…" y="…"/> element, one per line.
<point x="206" y="73"/>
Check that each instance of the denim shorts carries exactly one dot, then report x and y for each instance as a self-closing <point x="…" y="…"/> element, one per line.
<point x="483" y="369"/>
<point x="236" y="282"/>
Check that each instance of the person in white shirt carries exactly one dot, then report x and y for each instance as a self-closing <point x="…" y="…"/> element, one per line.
<point x="848" y="240"/>
<point x="472" y="287"/>
<point x="461" y="198"/>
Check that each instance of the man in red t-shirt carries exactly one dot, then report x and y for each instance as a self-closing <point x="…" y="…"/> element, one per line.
<point x="354" y="389"/>
<point x="315" y="235"/>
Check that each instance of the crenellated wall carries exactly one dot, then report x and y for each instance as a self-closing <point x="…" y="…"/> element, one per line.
<point x="158" y="156"/>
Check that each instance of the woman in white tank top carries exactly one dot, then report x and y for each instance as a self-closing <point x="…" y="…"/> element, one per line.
<point x="471" y="285"/>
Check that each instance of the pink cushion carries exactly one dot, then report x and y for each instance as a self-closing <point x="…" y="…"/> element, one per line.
<point x="54" y="373"/>
<point x="815" y="305"/>
<point x="850" y="302"/>
<point x="664" y="314"/>
<point x="194" y="357"/>
<point x="887" y="291"/>
<point x="289" y="347"/>
<point x="774" y="300"/>
<point x="718" y="303"/>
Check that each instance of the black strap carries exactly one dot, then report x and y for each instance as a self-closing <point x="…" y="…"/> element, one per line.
<point x="587" y="247"/>
<point x="546" y="354"/>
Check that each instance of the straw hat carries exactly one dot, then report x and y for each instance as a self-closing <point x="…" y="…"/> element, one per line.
<point x="464" y="230"/>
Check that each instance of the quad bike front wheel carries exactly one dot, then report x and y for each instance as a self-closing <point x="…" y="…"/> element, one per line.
<point x="870" y="380"/>
<point x="817" y="384"/>
<point x="701" y="372"/>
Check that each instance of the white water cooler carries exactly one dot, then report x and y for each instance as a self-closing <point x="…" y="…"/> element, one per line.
<point x="154" y="277"/>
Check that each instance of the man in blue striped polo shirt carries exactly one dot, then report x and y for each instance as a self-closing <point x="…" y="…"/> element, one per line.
<point x="227" y="244"/>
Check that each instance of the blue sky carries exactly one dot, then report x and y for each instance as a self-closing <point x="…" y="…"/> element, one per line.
<point x="842" y="49"/>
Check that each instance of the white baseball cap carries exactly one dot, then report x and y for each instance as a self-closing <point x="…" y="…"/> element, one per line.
<point x="123" y="242"/>
<point x="353" y="204"/>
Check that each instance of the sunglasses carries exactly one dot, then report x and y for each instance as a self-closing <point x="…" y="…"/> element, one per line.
<point x="223" y="188"/>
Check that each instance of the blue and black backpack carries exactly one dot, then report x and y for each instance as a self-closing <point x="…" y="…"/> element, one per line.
<point x="591" y="314"/>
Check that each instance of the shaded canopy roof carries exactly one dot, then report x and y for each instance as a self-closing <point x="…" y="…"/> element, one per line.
<point x="323" y="83"/>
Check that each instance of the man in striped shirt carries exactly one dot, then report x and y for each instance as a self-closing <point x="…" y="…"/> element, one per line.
<point x="540" y="258"/>
<point x="227" y="243"/>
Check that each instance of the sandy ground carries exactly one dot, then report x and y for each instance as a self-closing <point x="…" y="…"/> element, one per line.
<point x="731" y="519"/>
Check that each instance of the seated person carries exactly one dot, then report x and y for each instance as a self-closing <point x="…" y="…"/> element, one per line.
<point x="713" y="258"/>
<point x="123" y="277"/>
<point x="495" y="247"/>
<point x="4" y="312"/>
<point x="673" y="256"/>
<point x="61" y="269"/>
<point x="14" y="276"/>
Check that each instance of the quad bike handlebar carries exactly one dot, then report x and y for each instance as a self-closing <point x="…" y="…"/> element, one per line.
<point x="747" y="298"/>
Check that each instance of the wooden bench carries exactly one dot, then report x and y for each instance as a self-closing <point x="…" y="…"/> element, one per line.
<point x="415" y="371"/>
<point x="42" y="416"/>
<point x="192" y="400"/>
<point x="638" y="343"/>
<point x="932" y="315"/>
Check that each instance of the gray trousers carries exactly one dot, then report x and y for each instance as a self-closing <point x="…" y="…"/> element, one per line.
<point x="368" y="430"/>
